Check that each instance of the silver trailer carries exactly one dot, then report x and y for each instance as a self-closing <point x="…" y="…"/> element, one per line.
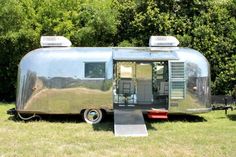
<point x="93" y="80"/>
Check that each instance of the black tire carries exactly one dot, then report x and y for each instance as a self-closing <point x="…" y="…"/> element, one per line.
<point x="93" y="116"/>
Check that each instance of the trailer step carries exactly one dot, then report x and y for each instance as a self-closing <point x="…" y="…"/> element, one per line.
<point x="129" y="123"/>
<point x="158" y="114"/>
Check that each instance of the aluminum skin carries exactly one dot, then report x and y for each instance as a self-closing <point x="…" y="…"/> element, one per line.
<point x="198" y="92"/>
<point x="53" y="80"/>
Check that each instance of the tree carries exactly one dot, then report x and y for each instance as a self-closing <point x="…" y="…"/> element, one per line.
<point x="84" y="22"/>
<point x="207" y="26"/>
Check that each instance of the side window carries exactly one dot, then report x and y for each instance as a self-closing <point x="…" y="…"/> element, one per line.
<point x="95" y="70"/>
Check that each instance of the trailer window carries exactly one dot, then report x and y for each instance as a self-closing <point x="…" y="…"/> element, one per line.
<point x="95" y="70"/>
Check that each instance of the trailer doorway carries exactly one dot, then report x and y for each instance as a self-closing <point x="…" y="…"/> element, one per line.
<point x="141" y="84"/>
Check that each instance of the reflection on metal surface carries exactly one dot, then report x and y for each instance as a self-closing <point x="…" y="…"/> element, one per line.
<point x="197" y="72"/>
<point x="92" y="115"/>
<point x="67" y="95"/>
<point x="196" y="64"/>
<point x="54" y="80"/>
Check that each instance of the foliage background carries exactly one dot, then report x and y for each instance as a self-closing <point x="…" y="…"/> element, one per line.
<point x="208" y="26"/>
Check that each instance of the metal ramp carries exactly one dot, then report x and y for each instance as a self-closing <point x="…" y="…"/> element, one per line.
<point x="129" y="122"/>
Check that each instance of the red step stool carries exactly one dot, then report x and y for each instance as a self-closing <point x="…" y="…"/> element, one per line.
<point x="158" y="114"/>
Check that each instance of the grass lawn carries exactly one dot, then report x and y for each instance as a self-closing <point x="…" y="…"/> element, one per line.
<point x="211" y="135"/>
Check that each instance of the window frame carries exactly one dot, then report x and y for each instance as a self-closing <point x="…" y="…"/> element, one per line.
<point x="92" y="78"/>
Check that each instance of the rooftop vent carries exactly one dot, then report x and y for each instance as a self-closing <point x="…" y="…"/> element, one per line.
<point x="163" y="41"/>
<point x="54" y="41"/>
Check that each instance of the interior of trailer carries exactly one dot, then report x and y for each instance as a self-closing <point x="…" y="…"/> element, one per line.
<point x="141" y="84"/>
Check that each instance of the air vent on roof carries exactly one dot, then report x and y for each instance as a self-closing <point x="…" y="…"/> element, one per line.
<point x="54" y="41"/>
<point x="163" y="41"/>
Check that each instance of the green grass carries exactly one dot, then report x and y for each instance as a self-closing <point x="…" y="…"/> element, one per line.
<point x="211" y="135"/>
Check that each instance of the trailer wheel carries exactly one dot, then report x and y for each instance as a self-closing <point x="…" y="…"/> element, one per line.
<point x="93" y="116"/>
